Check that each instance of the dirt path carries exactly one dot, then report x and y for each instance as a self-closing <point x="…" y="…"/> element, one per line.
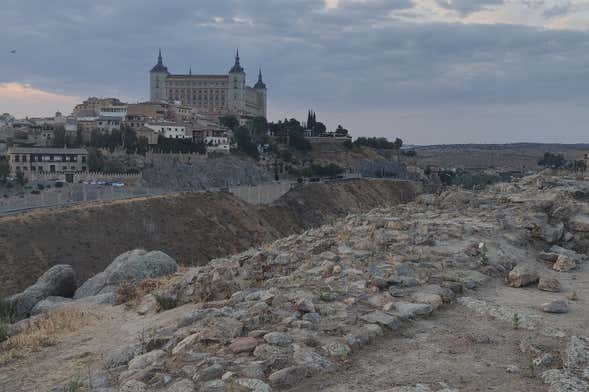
<point x="81" y="353"/>
<point x="456" y="347"/>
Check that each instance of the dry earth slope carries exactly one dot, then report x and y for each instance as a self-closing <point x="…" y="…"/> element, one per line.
<point x="191" y="227"/>
<point x="465" y="291"/>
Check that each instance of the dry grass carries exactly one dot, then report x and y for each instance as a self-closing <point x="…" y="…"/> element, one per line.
<point x="48" y="331"/>
<point x="126" y="292"/>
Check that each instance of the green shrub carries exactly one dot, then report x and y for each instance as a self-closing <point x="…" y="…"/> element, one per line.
<point x="165" y="302"/>
<point x="7" y="316"/>
<point x="3" y="331"/>
<point x="73" y="386"/>
<point x="7" y="312"/>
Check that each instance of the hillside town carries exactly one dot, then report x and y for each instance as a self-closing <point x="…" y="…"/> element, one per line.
<point x="192" y="114"/>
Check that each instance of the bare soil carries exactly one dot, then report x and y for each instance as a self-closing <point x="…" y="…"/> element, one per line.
<point x="466" y="351"/>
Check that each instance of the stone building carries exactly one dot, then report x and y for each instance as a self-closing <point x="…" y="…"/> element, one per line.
<point x="31" y="160"/>
<point x="212" y="94"/>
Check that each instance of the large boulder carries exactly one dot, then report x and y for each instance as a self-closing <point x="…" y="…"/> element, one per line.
<point x="132" y="266"/>
<point x="49" y="304"/>
<point x="521" y="276"/>
<point x="579" y="222"/>
<point x="57" y="281"/>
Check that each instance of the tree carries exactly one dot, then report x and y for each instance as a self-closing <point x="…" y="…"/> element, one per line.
<point x="397" y="144"/>
<point x="553" y="160"/>
<point x="59" y="137"/>
<point x="258" y="127"/>
<point x="79" y="141"/>
<point x="311" y="119"/>
<point x="142" y="145"/>
<point x="95" y="160"/>
<point x="341" y="131"/>
<point x="20" y="177"/>
<point x="4" y="170"/>
<point x="230" y="122"/>
<point x="318" y="128"/>
<point x="245" y="142"/>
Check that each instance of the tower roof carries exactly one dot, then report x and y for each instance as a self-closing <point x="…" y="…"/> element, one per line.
<point x="237" y="68"/>
<point x="159" y="67"/>
<point x="260" y="84"/>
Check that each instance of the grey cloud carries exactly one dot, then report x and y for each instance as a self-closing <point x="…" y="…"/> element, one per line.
<point x="468" y="6"/>
<point x="557" y="10"/>
<point x="351" y="58"/>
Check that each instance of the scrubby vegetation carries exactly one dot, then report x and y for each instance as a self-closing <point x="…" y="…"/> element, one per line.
<point x="165" y="302"/>
<point x="126" y="292"/>
<point x="7" y="316"/>
<point x="47" y="331"/>
<point x="315" y="170"/>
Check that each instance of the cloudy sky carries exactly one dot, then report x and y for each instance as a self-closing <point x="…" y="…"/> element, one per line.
<point x="428" y="71"/>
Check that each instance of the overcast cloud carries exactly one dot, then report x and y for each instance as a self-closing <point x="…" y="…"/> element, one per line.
<point x="430" y="71"/>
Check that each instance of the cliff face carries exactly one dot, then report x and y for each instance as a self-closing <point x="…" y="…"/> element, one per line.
<point x="191" y="227"/>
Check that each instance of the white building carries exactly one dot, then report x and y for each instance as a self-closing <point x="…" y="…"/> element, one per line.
<point x="169" y="130"/>
<point x="119" y="112"/>
<point x="217" y="144"/>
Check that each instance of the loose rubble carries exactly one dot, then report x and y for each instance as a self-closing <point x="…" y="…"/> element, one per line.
<point x="271" y="317"/>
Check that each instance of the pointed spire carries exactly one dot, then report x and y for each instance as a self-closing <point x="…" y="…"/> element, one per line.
<point x="260" y="84"/>
<point x="236" y="67"/>
<point x="159" y="67"/>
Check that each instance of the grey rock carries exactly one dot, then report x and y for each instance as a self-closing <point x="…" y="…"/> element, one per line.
<point x="571" y="254"/>
<point x="214" y="386"/>
<point x="579" y="222"/>
<point x="522" y="275"/>
<point x="132" y="266"/>
<point x="288" y="377"/>
<point x="564" y="264"/>
<point x="212" y="372"/>
<point x="133" y="386"/>
<point x="121" y="356"/>
<point x="183" y="385"/>
<point x="312" y="360"/>
<point x="254" y="369"/>
<point x="197" y="315"/>
<point x="253" y="385"/>
<point x="563" y="381"/>
<point x="50" y="303"/>
<point x="577" y="354"/>
<point x="548" y="284"/>
<point x="382" y="318"/>
<point x="411" y="311"/>
<point x="278" y="338"/>
<point x="147" y="360"/>
<point x="556" y="306"/>
<point x="305" y="305"/>
<point x="58" y="281"/>
<point x="314" y="318"/>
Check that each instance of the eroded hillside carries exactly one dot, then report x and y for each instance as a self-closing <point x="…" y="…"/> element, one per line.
<point x="191" y="227"/>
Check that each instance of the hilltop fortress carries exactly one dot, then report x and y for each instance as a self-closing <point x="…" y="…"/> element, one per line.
<point x="212" y="94"/>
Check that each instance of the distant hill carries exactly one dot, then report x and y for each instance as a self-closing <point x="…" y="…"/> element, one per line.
<point x="516" y="156"/>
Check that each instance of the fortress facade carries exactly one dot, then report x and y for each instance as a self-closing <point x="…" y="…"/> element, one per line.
<point x="210" y="94"/>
